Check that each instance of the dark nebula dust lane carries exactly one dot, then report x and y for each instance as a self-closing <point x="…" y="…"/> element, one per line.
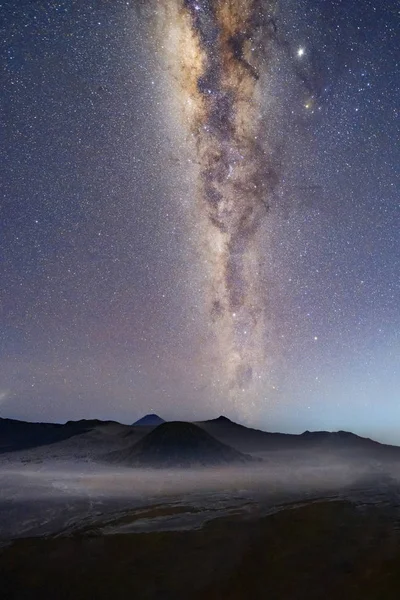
<point x="200" y="212"/>
<point x="224" y="48"/>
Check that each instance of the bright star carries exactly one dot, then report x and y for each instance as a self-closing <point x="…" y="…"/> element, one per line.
<point x="300" y="52"/>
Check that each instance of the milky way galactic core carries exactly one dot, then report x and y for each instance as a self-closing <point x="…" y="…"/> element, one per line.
<point x="221" y="51"/>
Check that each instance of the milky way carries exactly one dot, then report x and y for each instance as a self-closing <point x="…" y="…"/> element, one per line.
<point x="222" y="49"/>
<point x="201" y="198"/>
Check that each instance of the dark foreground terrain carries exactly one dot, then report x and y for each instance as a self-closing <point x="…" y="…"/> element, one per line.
<point x="326" y="549"/>
<point x="215" y="510"/>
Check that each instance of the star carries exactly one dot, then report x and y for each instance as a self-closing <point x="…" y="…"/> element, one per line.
<point x="141" y="155"/>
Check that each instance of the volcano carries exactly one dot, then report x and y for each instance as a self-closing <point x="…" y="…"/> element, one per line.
<point x="178" y="444"/>
<point x="149" y="420"/>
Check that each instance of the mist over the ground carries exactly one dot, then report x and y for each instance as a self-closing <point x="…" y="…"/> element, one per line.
<point x="57" y="480"/>
<point x="53" y="496"/>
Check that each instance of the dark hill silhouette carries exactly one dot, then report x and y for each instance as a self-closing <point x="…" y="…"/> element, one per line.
<point x="246" y="439"/>
<point x="149" y="420"/>
<point x="178" y="444"/>
<point x="21" y="435"/>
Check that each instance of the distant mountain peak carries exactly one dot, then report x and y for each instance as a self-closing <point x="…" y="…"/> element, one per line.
<point x="150" y="419"/>
<point x="222" y="419"/>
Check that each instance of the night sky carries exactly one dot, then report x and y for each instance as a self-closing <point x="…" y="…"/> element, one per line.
<point x="104" y="281"/>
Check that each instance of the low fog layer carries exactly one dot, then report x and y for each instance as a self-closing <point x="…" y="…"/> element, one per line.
<point x="69" y="479"/>
<point x="52" y="497"/>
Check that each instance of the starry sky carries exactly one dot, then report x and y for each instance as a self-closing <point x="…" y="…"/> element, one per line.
<point x="103" y="273"/>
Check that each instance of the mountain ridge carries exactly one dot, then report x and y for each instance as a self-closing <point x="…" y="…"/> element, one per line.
<point x="21" y="435"/>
